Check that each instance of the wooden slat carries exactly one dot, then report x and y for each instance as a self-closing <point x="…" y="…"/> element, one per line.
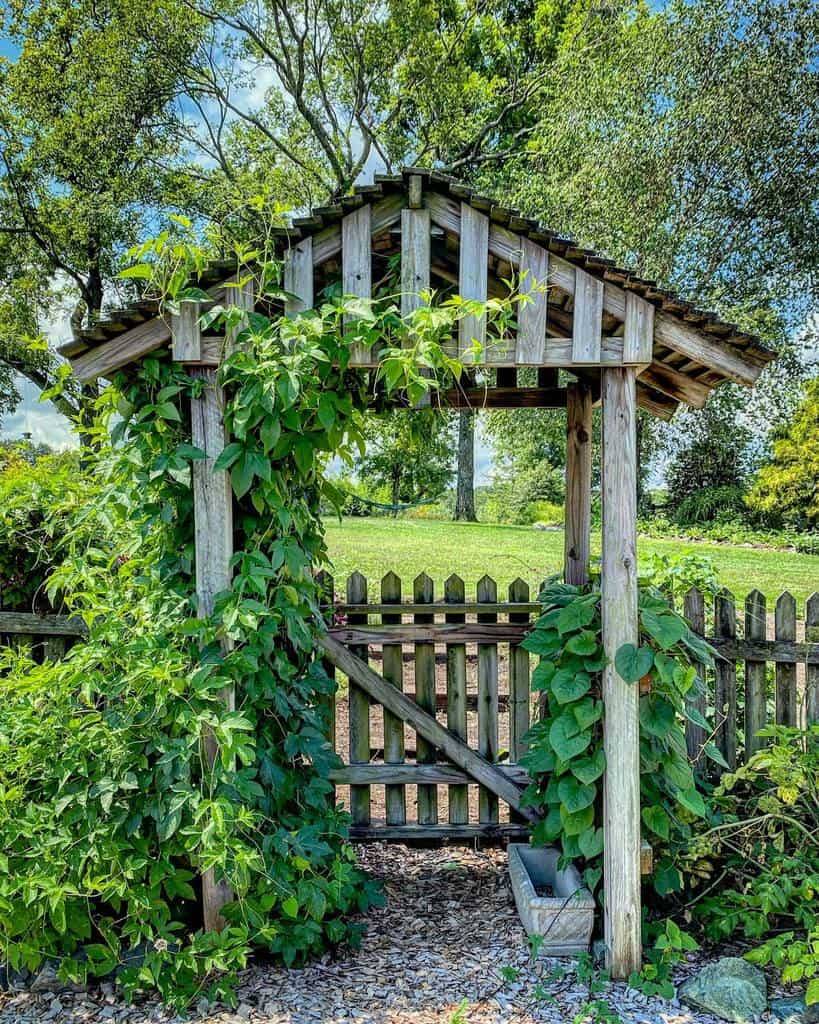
<point x="812" y="671"/>
<point x="436" y="773"/>
<point x="621" y="736"/>
<point x="439" y="608"/>
<point x="787" y="710"/>
<point x="779" y="651"/>
<point x="326" y="585"/>
<point x="487" y="702"/>
<point x="415" y="252"/>
<point x="393" y="669"/>
<point x="454" y="631"/>
<point x="519" y="681"/>
<point x="425" y="695"/>
<point x="298" y="277"/>
<point x="532" y="314"/>
<point x="54" y="648"/>
<point x="678" y="386"/>
<point x="756" y="697"/>
<point x="358" y="709"/>
<point x="41" y="625"/>
<point x="186" y="333"/>
<point x="452" y="746"/>
<point x="503" y="398"/>
<point x="638" y="333"/>
<point x="587" y="327"/>
<point x="577" y="520"/>
<point x="213" y="550"/>
<point x="356" y="266"/>
<point x="695" y="736"/>
<point x="441" y="833"/>
<point x="456" y="697"/>
<point x="241" y="296"/>
<point x="472" y="275"/>
<point x="725" y="681"/>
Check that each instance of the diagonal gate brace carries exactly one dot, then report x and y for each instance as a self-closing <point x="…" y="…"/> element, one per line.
<point x="384" y="693"/>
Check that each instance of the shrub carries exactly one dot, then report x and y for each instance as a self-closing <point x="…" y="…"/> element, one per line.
<point x="712" y="504"/>
<point x="512" y="495"/>
<point x="37" y="500"/>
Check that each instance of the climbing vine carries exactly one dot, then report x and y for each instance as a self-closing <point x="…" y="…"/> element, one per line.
<point x="566" y="758"/>
<point x="109" y="811"/>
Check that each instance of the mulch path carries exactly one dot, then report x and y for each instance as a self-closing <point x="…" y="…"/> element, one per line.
<point x="447" y="948"/>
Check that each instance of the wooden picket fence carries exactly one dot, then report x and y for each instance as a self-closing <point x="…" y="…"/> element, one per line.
<point x="460" y="660"/>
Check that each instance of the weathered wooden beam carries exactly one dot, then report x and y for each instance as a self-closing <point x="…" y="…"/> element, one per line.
<point x="241" y="295"/>
<point x="473" y="275"/>
<point x="587" y="328"/>
<point x="31" y="624"/>
<point x="213" y="550"/>
<point x="439" y="608"/>
<point x="425" y="724"/>
<point x="441" y="774"/>
<point x="501" y="833"/>
<point x="356" y="267"/>
<point x="676" y="385"/>
<point x="577" y="520"/>
<point x="638" y="331"/>
<point x="111" y="356"/>
<point x="503" y="398"/>
<point x="434" y="632"/>
<point x="415" y="258"/>
<point x="621" y="814"/>
<point x="298" y="277"/>
<point x="186" y="334"/>
<point x="532" y="314"/>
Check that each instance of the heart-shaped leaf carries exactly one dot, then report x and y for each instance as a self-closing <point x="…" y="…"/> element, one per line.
<point x="568" y="686"/>
<point x="574" y="795"/>
<point x="589" y="769"/>
<point x="632" y="663"/>
<point x="566" y="738"/>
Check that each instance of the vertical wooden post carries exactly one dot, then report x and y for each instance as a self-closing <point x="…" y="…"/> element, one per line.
<point x="695" y="736"/>
<point x="787" y="707"/>
<point x="756" y="692"/>
<point x="358" y="707"/>
<point x="621" y="814"/>
<point x="213" y="549"/>
<point x="725" y="680"/>
<point x="393" y="671"/>
<point x="812" y="670"/>
<point x="456" y="697"/>
<point x="577" y="518"/>
<point x="426" y="698"/>
<point x="487" y="702"/>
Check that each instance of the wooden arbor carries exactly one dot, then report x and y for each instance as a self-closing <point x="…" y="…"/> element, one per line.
<point x="623" y="342"/>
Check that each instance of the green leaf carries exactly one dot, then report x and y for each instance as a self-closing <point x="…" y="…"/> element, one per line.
<point x="569" y="686"/>
<point x="542" y="641"/>
<point x="812" y="992"/>
<point x="229" y="454"/>
<point x="574" y="795"/>
<point x="139" y="272"/>
<point x="657" y="821"/>
<point x="589" y="769"/>
<point x="542" y="675"/>
<point x="632" y="663"/>
<point x="667" y="878"/>
<point x="168" y="411"/>
<point x="575" y="823"/>
<point x="587" y="712"/>
<point x="575" y="615"/>
<point x="692" y="801"/>
<point x="584" y="643"/>
<point x="657" y="715"/>
<point x="591" y="843"/>
<point x="327" y="410"/>
<point x="666" y="627"/>
<point x="290" y="906"/>
<point x="565" y="737"/>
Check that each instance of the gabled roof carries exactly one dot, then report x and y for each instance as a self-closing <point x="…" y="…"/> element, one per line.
<point x="693" y="350"/>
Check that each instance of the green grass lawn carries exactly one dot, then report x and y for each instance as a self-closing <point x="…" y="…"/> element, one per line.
<point x="411" y="546"/>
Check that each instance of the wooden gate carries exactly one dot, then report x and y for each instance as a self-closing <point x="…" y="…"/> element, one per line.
<point x="457" y="663"/>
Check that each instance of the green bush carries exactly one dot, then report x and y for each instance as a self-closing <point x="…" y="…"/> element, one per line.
<point x="513" y="496"/>
<point x="724" y="503"/>
<point x="37" y="500"/>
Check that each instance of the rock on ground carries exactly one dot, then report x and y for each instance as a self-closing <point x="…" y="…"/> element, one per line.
<point x="446" y="949"/>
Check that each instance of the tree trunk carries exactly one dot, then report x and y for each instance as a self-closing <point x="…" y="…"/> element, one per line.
<point x="395" y="488"/>
<point x="465" y="497"/>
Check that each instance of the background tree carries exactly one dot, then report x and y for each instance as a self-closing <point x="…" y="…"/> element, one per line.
<point x="786" y="489"/>
<point x="86" y="128"/>
<point x="408" y="454"/>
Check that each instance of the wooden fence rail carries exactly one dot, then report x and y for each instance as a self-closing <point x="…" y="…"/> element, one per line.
<point x="458" y="662"/>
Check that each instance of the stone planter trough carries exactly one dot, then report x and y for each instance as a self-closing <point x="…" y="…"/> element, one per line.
<point x="565" y="918"/>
